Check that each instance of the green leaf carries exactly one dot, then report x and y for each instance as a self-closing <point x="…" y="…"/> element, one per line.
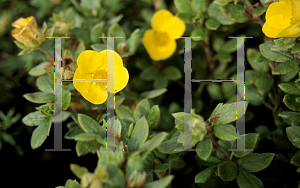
<point x="296" y="160"/>
<point x="290" y="89"/>
<point x="116" y="177"/>
<point x="287" y="77"/>
<point x="153" y="116"/>
<point x="234" y="12"/>
<point x="72" y="184"/>
<point x="199" y="32"/>
<point x="64" y="116"/>
<point x="154" y="93"/>
<point x="253" y="96"/>
<point x="291" y="103"/>
<point x="274" y="55"/>
<point x="38" y="70"/>
<point x="116" y="31"/>
<point x="293" y="133"/>
<point x="96" y="32"/>
<point x="169" y="146"/>
<point x="264" y="83"/>
<point x="185" y="17"/>
<point x="214" y="90"/>
<point x="212" y="24"/>
<point x="133" y="41"/>
<point x="255" y="162"/>
<point x="183" y="6"/>
<point x="199" y="6"/>
<point x="85" y="147"/>
<point x="258" y="66"/>
<point x="139" y="134"/>
<point x="89" y="137"/>
<point x="89" y="125"/>
<point x="258" y="11"/>
<point x="125" y="113"/>
<point x="40" y="134"/>
<point x="149" y="73"/>
<point x="205" y="174"/>
<point x="141" y="109"/>
<point x="161" y="167"/>
<point x="162" y="183"/>
<point x="206" y="147"/>
<point x="227" y="170"/>
<point x="99" y="47"/>
<point x="8" y="139"/>
<point x="66" y="99"/>
<point x="250" y="77"/>
<point x="250" y="142"/>
<point x="160" y="82"/>
<point x="296" y="48"/>
<point x="134" y="163"/>
<point x="39" y="97"/>
<point x="225" y="132"/>
<point x="286" y="67"/>
<point x="245" y="180"/>
<point x="34" y="119"/>
<point x="78" y="170"/>
<point x="73" y="132"/>
<point x="228" y="112"/>
<point x="172" y="73"/>
<point x="153" y="142"/>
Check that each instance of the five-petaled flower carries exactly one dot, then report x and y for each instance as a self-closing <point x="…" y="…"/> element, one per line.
<point x="283" y="19"/>
<point x="25" y="29"/>
<point x="160" y="40"/>
<point x="92" y="65"/>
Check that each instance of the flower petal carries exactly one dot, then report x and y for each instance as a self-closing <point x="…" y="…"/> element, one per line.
<point x="19" y="35"/>
<point x="98" y="96"/>
<point x="279" y="8"/>
<point x="163" y="20"/>
<point x="89" y="61"/>
<point x="117" y="58"/>
<point x="296" y="12"/>
<point x="291" y="31"/>
<point x="156" y="51"/>
<point x="82" y="87"/>
<point x="121" y="79"/>
<point x="274" y="25"/>
<point x="21" y="22"/>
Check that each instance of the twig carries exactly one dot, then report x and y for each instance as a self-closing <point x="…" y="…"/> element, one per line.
<point x="48" y="55"/>
<point x="218" y="147"/>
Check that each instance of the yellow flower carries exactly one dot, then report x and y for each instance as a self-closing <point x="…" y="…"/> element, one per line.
<point x="283" y="19"/>
<point x="92" y="65"/>
<point x="160" y="40"/>
<point x="25" y="29"/>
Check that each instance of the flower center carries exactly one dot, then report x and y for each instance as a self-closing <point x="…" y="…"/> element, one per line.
<point x="99" y="75"/>
<point x="161" y="38"/>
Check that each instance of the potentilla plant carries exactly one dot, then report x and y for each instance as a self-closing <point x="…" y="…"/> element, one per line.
<point x="149" y="130"/>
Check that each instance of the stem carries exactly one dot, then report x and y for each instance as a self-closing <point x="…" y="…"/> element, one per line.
<point x="249" y="13"/>
<point x="231" y="155"/>
<point x="218" y="147"/>
<point x="48" y="55"/>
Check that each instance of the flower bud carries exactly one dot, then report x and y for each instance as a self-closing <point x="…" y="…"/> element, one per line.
<point x="25" y="29"/>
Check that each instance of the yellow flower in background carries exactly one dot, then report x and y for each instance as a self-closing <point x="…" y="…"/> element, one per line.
<point x="92" y="65"/>
<point x="160" y="40"/>
<point x="25" y="29"/>
<point x="283" y="19"/>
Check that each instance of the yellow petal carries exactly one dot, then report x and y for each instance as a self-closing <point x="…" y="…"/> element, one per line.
<point x="117" y="58"/>
<point x="121" y="79"/>
<point x="98" y="96"/>
<point x="89" y="61"/>
<point x="20" y="36"/>
<point x="274" y="25"/>
<point x="82" y="87"/>
<point x="296" y="12"/>
<point x="155" y="50"/>
<point x="291" y="31"/>
<point x="279" y="8"/>
<point x="163" y="20"/>
<point x="21" y="22"/>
